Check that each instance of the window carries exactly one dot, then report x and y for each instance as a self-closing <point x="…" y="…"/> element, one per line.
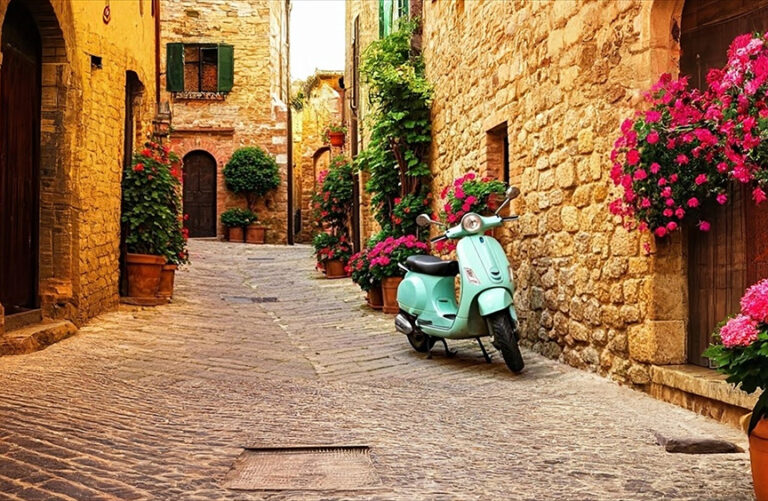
<point x="497" y="153"/>
<point x="199" y="70"/>
<point x="389" y="12"/>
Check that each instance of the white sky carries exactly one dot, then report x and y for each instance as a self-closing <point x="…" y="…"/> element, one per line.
<point x="317" y="36"/>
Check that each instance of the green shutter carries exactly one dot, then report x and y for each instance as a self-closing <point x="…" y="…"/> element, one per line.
<point x="226" y="67"/>
<point x="385" y="18"/>
<point x="402" y="8"/>
<point x="174" y="67"/>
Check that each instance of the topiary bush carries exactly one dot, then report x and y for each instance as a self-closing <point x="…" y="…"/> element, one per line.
<point x="252" y="173"/>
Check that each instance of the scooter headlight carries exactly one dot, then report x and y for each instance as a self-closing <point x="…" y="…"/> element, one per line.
<point x="471" y="223"/>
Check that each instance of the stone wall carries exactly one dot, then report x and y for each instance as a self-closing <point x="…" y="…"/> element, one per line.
<point x="83" y="113"/>
<point x="254" y="112"/>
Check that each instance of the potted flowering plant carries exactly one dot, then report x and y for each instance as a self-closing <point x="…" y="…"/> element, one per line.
<point x="384" y="258"/>
<point x="333" y="203"/>
<point x="253" y="173"/>
<point x="359" y="268"/>
<point x="236" y="220"/>
<point x="152" y="219"/>
<point x="332" y="253"/>
<point x="741" y="351"/>
<point x="335" y="135"/>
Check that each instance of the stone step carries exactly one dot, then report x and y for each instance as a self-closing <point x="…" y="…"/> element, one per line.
<point x="35" y="337"/>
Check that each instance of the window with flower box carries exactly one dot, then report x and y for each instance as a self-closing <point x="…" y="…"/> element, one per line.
<point x="199" y="71"/>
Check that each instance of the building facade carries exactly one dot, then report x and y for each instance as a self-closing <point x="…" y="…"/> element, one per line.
<point x="224" y="72"/>
<point x="77" y="92"/>
<point x="533" y="92"/>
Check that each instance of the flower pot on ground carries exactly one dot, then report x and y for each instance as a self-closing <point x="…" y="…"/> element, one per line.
<point x="330" y="248"/>
<point x="384" y="258"/>
<point x="389" y="294"/>
<point x="167" y="279"/>
<point x="374" y="297"/>
<point x="236" y="220"/>
<point x="740" y="351"/>
<point x="144" y="271"/>
<point x="236" y="234"/>
<point x="334" y="268"/>
<point x="256" y="234"/>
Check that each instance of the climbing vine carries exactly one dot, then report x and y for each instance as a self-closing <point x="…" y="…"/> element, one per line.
<point x="396" y="156"/>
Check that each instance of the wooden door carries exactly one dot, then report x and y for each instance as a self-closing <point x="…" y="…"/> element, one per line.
<point x="19" y="161"/>
<point x="723" y="262"/>
<point x="200" y="194"/>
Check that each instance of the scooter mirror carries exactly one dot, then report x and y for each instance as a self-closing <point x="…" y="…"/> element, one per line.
<point x="513" y="192"/>
<point x="423" y="220"/>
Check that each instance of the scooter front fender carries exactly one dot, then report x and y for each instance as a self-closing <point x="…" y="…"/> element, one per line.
<point x="493" y="300"/>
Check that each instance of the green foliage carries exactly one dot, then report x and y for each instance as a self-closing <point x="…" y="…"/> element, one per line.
<point x="333" y="204"/>
<point x="235" y="217"/>
<point x="251" y="172"/>
<point x="396" y="156"/>
<point x="151" y="206"/>
<point x="745" y="365"/>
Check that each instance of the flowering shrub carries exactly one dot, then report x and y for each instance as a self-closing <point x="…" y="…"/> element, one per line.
<point x="741" y="347"/>
<point x="333" y="203"/>
<point x="329" y="247"/>
<point x="406" y="209"/>
<point x="359" y="268"/>
<point x="470" y="194"/>
<point x="385" y="255"/>
<point x="152" y="208"/>
<point x="684" y="151"/>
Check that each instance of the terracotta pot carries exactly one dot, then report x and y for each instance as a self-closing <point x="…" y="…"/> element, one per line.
<point x="255" y="234"/>
<point x="336" y="138"/>
<point x="389" y="294"/>
<point x="375" y="299"/>
<point x="335" y="269"/>
<point x="758" y="453"/>
<point x="166" y="281"/>
<point x="235" y="234"/>
<point x="144" y="274"/>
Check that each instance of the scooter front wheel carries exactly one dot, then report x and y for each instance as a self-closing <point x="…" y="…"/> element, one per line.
<point x="421" y="342"/>
<point x="504" y="332"/>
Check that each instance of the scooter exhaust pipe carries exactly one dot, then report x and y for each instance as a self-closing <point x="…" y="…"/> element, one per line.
<point x="403" y="325"/>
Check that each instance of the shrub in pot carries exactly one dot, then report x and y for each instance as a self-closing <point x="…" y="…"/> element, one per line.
<point x="740" y="351"/>
<point x="384" y="257"/>
<point x="251" y="172"/>
<point x="236" y="220"/>
<point x="334" y="135"/>
<point x="151" y="206"/>
<point x="359" y="268"/>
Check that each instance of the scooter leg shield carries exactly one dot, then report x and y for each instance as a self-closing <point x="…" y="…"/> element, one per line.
<point x="493" y="300"/>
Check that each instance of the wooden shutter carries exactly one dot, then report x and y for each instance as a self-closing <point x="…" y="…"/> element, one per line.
<point x="402" y="8"/>
<point x="174" y="67"/>
<point x="226" y="67"/>
<point x="385" y="18"/>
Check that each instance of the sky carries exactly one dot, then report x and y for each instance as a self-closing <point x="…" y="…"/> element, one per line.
<point x="317" y="36"/>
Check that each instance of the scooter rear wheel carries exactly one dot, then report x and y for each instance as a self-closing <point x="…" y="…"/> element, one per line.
<point x="421" y="342"/>
<point x="505" y="334"/>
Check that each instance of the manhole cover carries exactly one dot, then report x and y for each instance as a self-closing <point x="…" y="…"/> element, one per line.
<point x="303" y="468"/>
<point x="249" y="299"/>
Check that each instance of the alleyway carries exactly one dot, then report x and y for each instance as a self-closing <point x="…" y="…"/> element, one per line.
<point x="158" y="403"/>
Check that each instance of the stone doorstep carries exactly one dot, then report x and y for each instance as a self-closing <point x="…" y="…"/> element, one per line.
<point x="35" y="337"/>
<point x="703" y="382"/>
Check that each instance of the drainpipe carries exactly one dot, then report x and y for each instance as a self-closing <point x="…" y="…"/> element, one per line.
<point x="289" y="125"/>
<point x="156" y="8"/>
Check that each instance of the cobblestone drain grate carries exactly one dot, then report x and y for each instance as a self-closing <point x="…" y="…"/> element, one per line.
<point x="261" y="259"/>
<point x="248" y="299"/>
<point x="303" y="468"/>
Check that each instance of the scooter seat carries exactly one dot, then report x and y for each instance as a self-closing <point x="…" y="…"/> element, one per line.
<point x="431" y="265"/>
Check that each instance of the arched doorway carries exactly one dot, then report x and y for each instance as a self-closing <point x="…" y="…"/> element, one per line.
<point x="199" y="185"/>
<point x="20" y="91"/>
<point x="734" y="254"/>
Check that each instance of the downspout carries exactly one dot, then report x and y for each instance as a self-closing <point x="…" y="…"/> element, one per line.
<point x="156" y="6"/>
<point x="289" y="125"/>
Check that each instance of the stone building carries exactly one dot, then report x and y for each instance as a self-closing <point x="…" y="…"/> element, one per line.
<point x="224" y="71"/>
<point x="321" y="105"/>
<point x="533" y="92"/>
<point x="77" y="91"/>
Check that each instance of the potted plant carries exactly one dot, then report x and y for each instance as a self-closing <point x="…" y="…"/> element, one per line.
<point x="384" y="258"/>
<point x="335" y="135"/>
<point x="253" y="173"/>
<point x="236" y="220"/>
<point x="153" y="223"/>
<point x="740" y="351"/>
<point x="359" y="268"/>
<point x="332" y="254"/>
<point x="469" y="193"/>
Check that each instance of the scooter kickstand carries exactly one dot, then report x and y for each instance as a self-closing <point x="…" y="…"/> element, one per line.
<point x="448" y="353"/>
<point x="485" y="353"/>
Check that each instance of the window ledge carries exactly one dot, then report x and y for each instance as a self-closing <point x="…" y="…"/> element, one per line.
<point x="704" y="382"/>
<point x="199" y="96"/>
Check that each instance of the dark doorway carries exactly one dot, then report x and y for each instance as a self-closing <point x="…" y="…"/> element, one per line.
<point x="19" y="160"/>
<point x="133" y="90"/>
<point x="200" y="193"/>
<point x="723" y="262"/>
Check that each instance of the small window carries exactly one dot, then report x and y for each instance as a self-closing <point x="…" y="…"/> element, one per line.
<point x="497" y="153"/>
<point x="199" y="71"/>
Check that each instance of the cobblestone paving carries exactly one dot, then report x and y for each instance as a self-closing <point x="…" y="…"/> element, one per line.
<point x="158" y="403"/>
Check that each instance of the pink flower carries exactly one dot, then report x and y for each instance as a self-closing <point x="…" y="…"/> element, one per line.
<point x="722" y="198"/>
<point x="458" y="192"/>
<point x="693" y="202"/>
<point x="671" y="226"/>
<point x="640" y="174"/>
<point x="680" y="213"/>
<point x="652" y="116"/>
<point x="655" y="168"/>
<point x="652" y="137"/>
<point x="470" y="200"/>
<point x="660" y="231"/>
<point x="758" y="195"/>
<point x="673" y="178"/>
<point x="701" y="179"/>
<point x="633" y="157"/>
<point x="645" y="202"/>
<point x="739" y="331"/>
<point x="704" y="225"/>
<point x="681" y="159"/>
<point x="755" y="302"/>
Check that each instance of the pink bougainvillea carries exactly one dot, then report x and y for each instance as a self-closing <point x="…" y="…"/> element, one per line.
<point x="739" y="331"/>
<point x="755" y="302"/>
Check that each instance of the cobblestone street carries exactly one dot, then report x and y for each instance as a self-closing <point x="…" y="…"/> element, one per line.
<point x="158" y="403"/>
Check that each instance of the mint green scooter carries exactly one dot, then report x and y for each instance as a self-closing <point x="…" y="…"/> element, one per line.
<point x="427" y="296"/>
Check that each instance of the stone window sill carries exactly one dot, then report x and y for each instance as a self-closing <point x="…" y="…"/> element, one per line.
<point x="199" y="96"/>
<point x="701" y="381"/>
